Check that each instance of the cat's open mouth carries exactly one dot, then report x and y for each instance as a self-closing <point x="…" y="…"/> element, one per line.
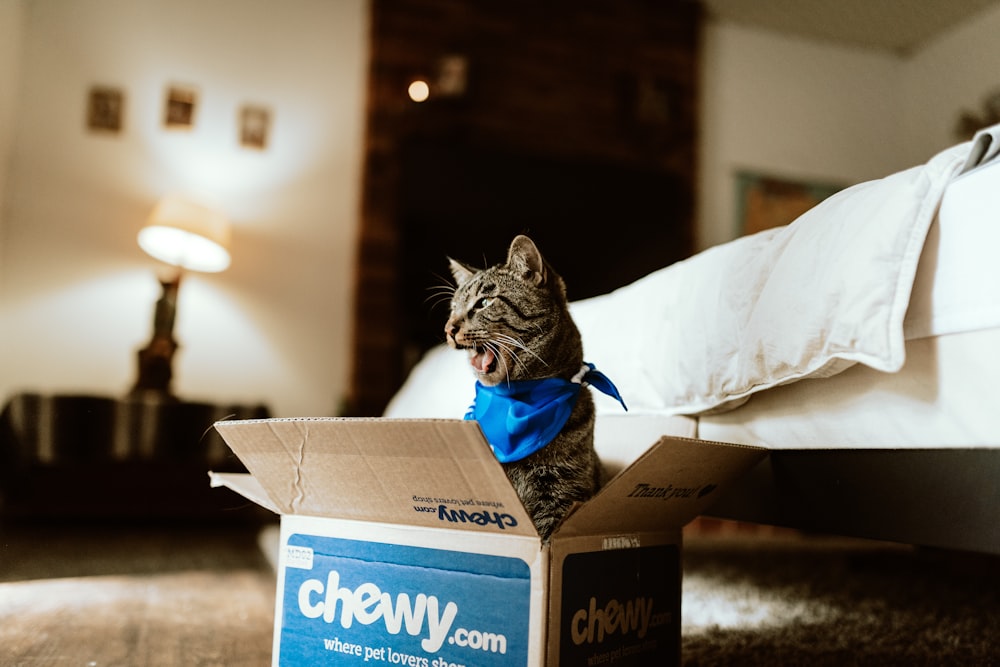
<point x="483" y="360"/>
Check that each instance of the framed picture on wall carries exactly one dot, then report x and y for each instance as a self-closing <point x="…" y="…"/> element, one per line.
<point x="255" y="126"/>
<point x="180" y="107"/>
<point x="105" y="109"/>
<point x="765" y="201"/>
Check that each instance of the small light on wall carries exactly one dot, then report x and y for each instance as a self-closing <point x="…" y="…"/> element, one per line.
<point x="419" y="91"/>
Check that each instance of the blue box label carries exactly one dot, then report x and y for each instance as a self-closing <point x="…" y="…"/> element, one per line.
<point x="621" y="607"/>
<point x="353" y="602"/>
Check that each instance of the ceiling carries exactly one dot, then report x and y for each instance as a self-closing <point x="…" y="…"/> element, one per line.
<point x="899" y="26"/>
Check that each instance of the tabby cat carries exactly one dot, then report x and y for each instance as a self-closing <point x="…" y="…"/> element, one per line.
<point x="527" y="355"/>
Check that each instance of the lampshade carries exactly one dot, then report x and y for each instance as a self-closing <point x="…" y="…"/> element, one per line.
<point x="187" y="235"/>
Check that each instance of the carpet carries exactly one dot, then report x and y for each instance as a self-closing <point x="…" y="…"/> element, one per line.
<point x="799" y="600"/>
<point x="110" y="595"/>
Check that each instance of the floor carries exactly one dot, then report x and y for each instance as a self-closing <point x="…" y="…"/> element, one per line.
<point x="164" y="594"/>
<point x="106" y="595"/>
<point x="792" y="599"/>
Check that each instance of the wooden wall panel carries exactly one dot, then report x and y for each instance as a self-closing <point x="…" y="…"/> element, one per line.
<point x="612" y="84"/>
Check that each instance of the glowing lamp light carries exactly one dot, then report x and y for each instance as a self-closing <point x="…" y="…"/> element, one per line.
<point x="419" y="91"/>
<point x="187" y="235"/>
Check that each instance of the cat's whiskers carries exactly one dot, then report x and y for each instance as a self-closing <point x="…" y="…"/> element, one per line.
<point x="496" y="348"/>
<point x="437" y="300"/>
<point x="499" y="345"/>
<point x="513" y="347"/>
<point x="440" y="294"/>
<point x="521" y="345"/>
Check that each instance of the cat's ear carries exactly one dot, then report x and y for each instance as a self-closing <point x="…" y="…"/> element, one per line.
<point x="525" y="260"/>
<point x="460" y="271"/>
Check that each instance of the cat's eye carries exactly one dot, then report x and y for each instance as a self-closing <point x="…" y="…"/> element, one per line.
<point x="483" y="302"/>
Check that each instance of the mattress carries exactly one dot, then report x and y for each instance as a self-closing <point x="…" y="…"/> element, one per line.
<point x="944" y="396"/>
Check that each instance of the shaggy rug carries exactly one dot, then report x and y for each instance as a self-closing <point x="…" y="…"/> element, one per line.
<point x="793" y="600"/>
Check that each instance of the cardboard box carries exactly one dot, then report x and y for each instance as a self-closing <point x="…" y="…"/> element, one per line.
<point x="402" y="543"/>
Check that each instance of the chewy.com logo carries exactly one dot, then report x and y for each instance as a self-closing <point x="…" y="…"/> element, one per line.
<point x="422" y="616"/>
<point x="591" y="624"/>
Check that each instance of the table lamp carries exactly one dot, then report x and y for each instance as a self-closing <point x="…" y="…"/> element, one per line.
<point x="187" y="236"/>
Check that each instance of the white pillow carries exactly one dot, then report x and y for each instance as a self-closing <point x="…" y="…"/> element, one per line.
<point x="807" y="300"/>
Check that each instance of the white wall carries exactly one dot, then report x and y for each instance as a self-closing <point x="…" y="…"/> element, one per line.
<point x="951" y="74"/>
<point x="789" y="107"/>
<point x="11" y="25"/>
<point x="77" y="292"/>
<point x="820" y="111"/>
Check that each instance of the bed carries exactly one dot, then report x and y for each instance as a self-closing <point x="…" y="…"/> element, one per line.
<point x="859" y="344"/>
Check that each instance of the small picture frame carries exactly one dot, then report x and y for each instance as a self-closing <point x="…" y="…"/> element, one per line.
<point x="180" y="107"/>
<point x="766" y="201"/>
<point x="255" y="126"/>
<point x="105" y="109"/>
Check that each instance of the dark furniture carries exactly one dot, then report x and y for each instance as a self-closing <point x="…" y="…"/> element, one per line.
<point x="78" y="456"/>
<point x="946" y="498"/>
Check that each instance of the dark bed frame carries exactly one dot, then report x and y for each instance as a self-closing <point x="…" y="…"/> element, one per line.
<point x="948" y="498"/>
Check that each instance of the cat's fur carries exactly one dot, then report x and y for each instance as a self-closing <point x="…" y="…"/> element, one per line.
<point x="514" y="320"/>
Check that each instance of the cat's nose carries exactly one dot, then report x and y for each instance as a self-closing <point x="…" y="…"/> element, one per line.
<point x="451" y="329"/>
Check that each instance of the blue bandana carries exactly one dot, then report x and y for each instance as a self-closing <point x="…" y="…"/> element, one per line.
<point x="519" y="418"/>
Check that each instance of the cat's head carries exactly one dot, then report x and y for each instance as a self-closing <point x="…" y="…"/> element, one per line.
<point x="513" y="319"/>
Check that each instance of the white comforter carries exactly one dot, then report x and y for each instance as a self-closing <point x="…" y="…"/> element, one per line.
<point x="808" y="300"/>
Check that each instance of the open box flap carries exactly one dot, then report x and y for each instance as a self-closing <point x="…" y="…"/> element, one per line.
<point x="435" y="473"/>
<point x="672" y="483"/>
<point x="245" y="485"/>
